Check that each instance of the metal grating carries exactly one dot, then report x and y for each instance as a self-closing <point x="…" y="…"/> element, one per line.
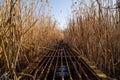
<point x="62" y="63"/>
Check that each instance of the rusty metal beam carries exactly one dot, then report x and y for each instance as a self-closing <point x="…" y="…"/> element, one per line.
<point x="46" y="75"/>
<point x="68" y="60"/>
<point x="68" y="66"/>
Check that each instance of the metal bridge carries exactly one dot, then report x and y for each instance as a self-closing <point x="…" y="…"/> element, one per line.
<point x="62" y="63"/>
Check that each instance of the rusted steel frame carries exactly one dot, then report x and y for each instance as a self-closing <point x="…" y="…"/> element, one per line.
<point x="61" y="52"/>
<point x="72" y="53"/>
<point x="44" y="61"/>
<point x="90" y="70"/>
<point x="32" y="66"/>
<point x="47" y="64"/>
<point x="50" y="66"/>
<point x="59" y="56"/>
<point x="80" y="77"/>
<point x="68" y="68"/>
<point x="55" y="66"/>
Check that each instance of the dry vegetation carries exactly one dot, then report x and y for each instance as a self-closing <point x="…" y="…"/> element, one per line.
<point x="95" y="30"/>
<point x="26" y="29"/>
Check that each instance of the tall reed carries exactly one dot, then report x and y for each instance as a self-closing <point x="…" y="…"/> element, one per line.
<point x="26" y="29"/>
<point x="95" y="30"/>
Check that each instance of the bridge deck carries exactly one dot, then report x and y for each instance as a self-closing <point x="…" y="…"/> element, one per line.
<point x="62" y="63"/>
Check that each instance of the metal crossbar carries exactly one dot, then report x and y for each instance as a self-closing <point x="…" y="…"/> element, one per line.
<point x="62" y="63"/>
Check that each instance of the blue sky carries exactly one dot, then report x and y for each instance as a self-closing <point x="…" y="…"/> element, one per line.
<point x="60" y="10"/>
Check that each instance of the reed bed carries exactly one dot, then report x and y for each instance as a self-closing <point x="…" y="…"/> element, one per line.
<point x="94" y="29"/>
<point x="26" y="28"/>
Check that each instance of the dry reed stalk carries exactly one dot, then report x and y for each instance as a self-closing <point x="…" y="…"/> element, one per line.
<point x="96" y="33"/>
<point x="22" y="35"/>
